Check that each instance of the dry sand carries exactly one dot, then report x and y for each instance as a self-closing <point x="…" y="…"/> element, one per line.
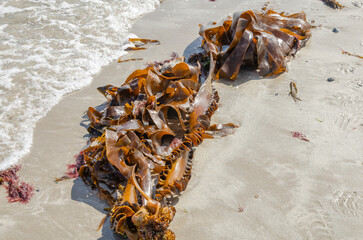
<point x="287" y="188"/>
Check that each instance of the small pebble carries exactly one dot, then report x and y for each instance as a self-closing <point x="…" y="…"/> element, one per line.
<point x="257" y="196"/>
<point x="276" y="94"/>
<point x="335" y="30"/>
<point x="330" y="79"/>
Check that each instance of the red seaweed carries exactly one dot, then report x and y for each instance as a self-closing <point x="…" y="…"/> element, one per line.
<point x="72" y="171"/>
<point x="300" y="136"/>
<point x="17" y="190"/>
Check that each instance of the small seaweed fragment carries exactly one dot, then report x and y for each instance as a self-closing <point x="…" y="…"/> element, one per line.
<point x="333" y="4"/>
<point x="222" y="130"/>
<point x="351" y="54"/>
<point x="128" y="60"/>
<point x="300" y="136"/>
<point x="134" y="48"/>
<point x="17" y="190"/>
<point x="293" y="91"/>
<point x="72" y="171"/>
<point x="140" y="42"/>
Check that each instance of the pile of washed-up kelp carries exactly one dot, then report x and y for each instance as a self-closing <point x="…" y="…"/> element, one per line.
<point x="253" y="40"/>
<point x="141" y="144"/>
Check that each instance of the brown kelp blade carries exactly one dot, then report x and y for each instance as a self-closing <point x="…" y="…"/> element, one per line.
<point x="333" y="4"/>
<point x="140" y="42"/>
<point x="129" y="60"/>
<point x="144" y="40"/>
<point x="134" y="48"/>
<point x="101" y="223"/>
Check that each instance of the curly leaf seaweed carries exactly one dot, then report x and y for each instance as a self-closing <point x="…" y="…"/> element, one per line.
<point x="262" y="41"/>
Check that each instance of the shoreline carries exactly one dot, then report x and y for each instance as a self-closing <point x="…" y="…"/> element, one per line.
<point x="56" y="57"/>
<point x="298" y="185"/>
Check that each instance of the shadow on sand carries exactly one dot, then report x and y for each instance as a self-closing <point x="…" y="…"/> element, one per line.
<point x="83" y="193"/>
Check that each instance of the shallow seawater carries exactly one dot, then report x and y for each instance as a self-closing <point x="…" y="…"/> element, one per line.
<point x="49" y="48"/>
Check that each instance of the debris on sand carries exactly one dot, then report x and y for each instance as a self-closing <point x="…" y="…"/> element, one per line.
<point x="72" y="171"/>
<point x="140" y="42"/>
<point x="17" y="190"/>
<point x="129" y="60"/>
<point x="351" y="54"/>
<point x="293" y="91"/>
<point x="300" y="136"/>
<point x="333" y="4"/>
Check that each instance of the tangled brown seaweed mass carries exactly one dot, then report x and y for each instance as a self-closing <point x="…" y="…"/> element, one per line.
<point x="262" y="41"/>
<point x="141" y="144"/>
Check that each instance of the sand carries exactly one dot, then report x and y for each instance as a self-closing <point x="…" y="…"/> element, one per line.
<point x="259" y="183"/>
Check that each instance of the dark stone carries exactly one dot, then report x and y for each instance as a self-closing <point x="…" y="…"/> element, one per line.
<point x="335" y="30"/>
<point x="330" y="79"/>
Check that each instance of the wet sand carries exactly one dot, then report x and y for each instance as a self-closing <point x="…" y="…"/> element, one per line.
<point x="259" y="183"/>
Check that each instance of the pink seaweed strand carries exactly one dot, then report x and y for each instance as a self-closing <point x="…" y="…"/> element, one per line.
<point x="17" y="190"/>
<point x="300" y="136"/>
<point x="72" y="171"/>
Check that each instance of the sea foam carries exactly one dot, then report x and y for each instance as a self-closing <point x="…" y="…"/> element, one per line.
<point x="49" y="48"/>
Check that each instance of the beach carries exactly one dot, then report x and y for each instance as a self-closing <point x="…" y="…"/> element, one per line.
<point x="260" y="183"/>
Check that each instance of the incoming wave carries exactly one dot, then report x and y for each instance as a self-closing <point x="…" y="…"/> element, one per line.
<point x="50" y="48"/>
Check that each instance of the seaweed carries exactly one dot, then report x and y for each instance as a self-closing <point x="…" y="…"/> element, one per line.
<point x="148" y="128"/>
<point x="17" y="190"/>
<point x="129" y="60"/>
<point x="140" y="148"/>
<point x="333" y="4"/>
<point x="140" y="42"/>
<point x="72" y="169"/>
<point x="300" y="136"/>
<point x="293" y="91"/>
<point x="351" y="54"/>
<point x="262" y="41"/>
